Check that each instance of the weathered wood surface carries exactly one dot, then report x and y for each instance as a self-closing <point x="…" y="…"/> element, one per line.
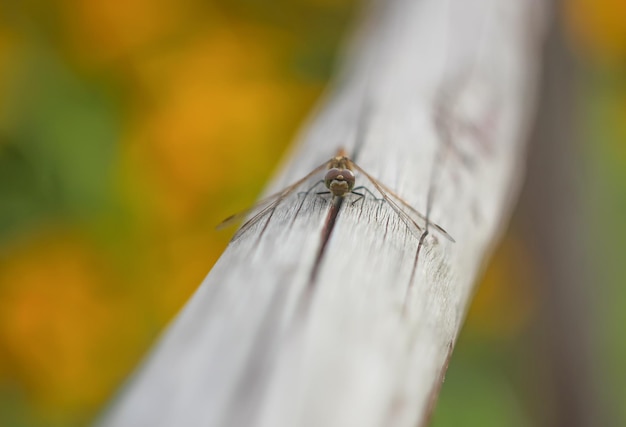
<point x="434" y="100"/>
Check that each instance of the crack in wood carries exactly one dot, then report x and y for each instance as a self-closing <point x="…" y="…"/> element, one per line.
<point x="409" y="288"/>
<point x="359" y="140"/>
<point x="438" y="161"/>
<point x="329" y="225"/>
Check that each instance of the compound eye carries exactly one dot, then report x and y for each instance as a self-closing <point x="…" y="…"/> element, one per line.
<point x="335" y="174"/>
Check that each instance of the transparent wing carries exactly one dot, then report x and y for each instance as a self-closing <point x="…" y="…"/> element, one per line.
<point x="266" y="205"/>
<point x="394" y="199"/>
<point x="227" y="222"/>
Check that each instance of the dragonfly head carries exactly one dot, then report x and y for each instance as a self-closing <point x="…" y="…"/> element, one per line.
<point x="339" y="181"/>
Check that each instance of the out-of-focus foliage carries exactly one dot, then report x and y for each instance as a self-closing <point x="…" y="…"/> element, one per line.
<point x="598" y="34"/>
<point x="128" y="129"/>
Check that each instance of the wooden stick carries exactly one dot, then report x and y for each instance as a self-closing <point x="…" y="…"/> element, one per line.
<point x="305" y="322"/>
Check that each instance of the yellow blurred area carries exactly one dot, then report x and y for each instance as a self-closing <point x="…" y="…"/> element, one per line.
<point x="506" y="300"/>
<point x="114" y="30"/>
<point x="598" y="28"/>
<point x="207" y="95"/>
<point x="59" y="318"/>
<point x="208" y="112"/>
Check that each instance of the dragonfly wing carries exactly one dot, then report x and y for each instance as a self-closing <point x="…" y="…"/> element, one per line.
<point x="246" y="212"/>
<point x="249" y="223"/>
<point x="394" y="199"/>
<point x="266" y="205"/>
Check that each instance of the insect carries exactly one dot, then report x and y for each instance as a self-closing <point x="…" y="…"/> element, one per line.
<point x="340" y="181"/>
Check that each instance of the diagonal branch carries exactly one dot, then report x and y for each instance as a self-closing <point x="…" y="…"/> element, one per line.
<point x="264" y="341"/>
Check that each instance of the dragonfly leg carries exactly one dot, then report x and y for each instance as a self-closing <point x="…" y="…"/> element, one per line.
<point x="306" y="193"/>
<point x="360" y="197"/>
<point x="367" y="190"/>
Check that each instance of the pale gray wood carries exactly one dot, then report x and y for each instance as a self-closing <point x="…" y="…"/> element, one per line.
<point x="443" y="91"/>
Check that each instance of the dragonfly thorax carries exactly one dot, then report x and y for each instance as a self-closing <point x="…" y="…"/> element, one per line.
<point x="339" y="181"/>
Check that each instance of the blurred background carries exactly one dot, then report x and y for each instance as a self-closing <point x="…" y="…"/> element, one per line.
<point x="128" y="129"/>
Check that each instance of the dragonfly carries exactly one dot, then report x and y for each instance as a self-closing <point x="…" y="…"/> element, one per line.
<point x="339" y="180"/>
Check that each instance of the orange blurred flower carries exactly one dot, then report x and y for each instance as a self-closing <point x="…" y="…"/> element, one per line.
<point x="506" y="293"/>
<point x="598" y="27"/>
<point x="59" y="320"/>
<point x="210" y="123"/>
<point x="106" y="30"/>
